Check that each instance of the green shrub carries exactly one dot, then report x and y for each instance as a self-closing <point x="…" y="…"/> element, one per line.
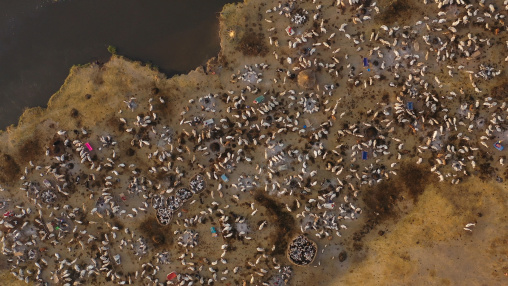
<point x="112" y="49"/>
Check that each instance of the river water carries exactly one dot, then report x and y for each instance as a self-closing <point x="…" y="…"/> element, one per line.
<point x="40" y="40"/>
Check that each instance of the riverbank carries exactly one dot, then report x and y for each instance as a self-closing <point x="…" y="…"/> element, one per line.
<point x="37" y="52"/>
<point x="292" y="133"/>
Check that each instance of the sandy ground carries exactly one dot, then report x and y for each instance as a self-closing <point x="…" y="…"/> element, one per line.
<point x="426" y="244"/>
<point x="410" y="229"/>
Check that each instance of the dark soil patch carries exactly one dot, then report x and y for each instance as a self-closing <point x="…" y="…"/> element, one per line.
<point x="382" y="199"/>
<point x="130" y="152"/>
<point x="283" y="220"/>
<point x="414" y="178"/>
<point x="359" y="235"/>
<point x="10" y="168"/>
<point x="396" y="11"/>
<point x="215" y="147"/>
<point x="499" y="92"/>
<point x="486" y="171"/>
<point x="342" y="256"/>
<point x="115" y="123"/>
<point x="56" y="148"/>
<point x="74" y="113"/>
<point x="252" y="44"/>
<point x="158" y="236"/>
<point x="30" y="150"/>
<point x="371" y="132"/>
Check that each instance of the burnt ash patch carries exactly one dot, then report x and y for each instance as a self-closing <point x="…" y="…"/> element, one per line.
<point x="156" y="235"/>
<point x="9" y="169"/>
<point x="499" y="92"/>
<point x="252" y="44"/>
<point x="397" y="11"/>
<point x="415" y="178"/>
<point x="282" y="219"/>
<point x="381" y="201"/>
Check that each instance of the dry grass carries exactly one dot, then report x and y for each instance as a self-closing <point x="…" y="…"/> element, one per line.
<point x="429" y="243"/>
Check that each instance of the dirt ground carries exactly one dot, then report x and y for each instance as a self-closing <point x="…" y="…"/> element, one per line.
<point x="411" y="229"/>
<point x="426" y="244"/>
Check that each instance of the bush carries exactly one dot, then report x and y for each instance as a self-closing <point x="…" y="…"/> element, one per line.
<point x="112" y="49"/>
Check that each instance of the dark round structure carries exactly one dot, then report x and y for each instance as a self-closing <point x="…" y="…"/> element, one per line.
<point x="215" y="147"/>
<point x="371" y="132"/>
<point x="302" y="251"/>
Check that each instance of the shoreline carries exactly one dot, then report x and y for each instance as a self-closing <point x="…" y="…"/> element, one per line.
<point x="401" y="226"/>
